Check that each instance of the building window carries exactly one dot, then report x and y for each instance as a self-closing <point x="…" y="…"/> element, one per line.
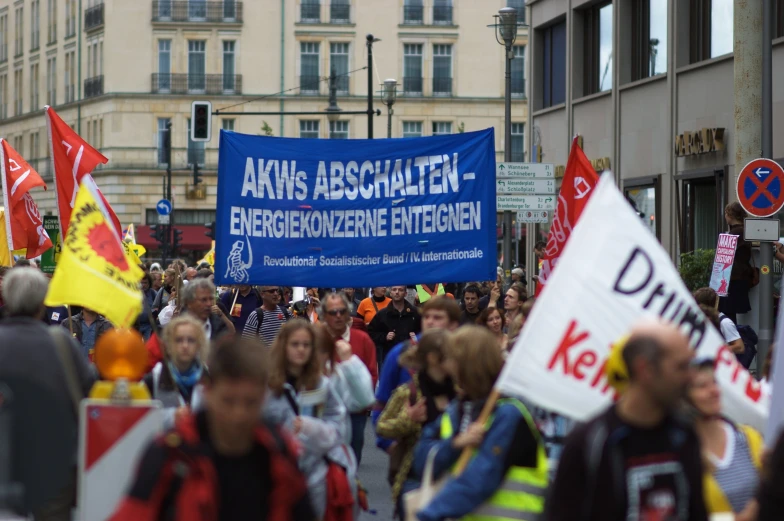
<point x="442" y="128"/>
<point x="164" y="65"/>
<point x="442" y="70"/>
<point x="197" y="79"/>
<point x="162" y="122"/>
<point x="520" y="6"/>
<point x="195" y="149"/>
<point x="309" y="129"/>
<point x="338" y="130"/>
<point x="412" y="129"/>
<point x="597" y="58"/>
<point x="70" y="18"/>
<point x="18" y="144"/>
<point x="553" y="55"/>
<point x="702" y="206"/>
<point x="3" y="96"/>
<point x="51" y="81"/>
<point x="34" y="146"/>
<point x="35" y="25"/>
<point x="340" y="11"/>
<point x="778" y="24"/>
<point x="19" y="34"/>
<point x="309" y="81"/>
<point x="413" y="12"/>
<point x="711" y="29"/>
<point x="228" y="66"/>
<point x="518" y="142"/>
<point x="643" y="200"/>
<point x="310" y="11"/>
<point x="34" y="87"/>
<point x="4" y="37"/>
<point x="197" y="10"/>
<point x="518" y="72"/>
<point x="442" y="12"/>
<point x="70" y="76"/>
<point x="412" y="68"/>
<point x="94" y="58"/>
<point x="52" y="27"/>
<point x="227" y="125"/>
<point x="338" y="59"/>
<point x="649" y="38"/>
<point x="18" y="88"/>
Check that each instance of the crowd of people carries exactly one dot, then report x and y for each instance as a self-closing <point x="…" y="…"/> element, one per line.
<point x="267" y="399"/>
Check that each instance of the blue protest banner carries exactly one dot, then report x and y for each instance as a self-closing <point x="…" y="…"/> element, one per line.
<point x="355" y="213"/>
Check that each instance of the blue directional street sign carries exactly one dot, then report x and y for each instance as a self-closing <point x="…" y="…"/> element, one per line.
<point x="164" y="207"/>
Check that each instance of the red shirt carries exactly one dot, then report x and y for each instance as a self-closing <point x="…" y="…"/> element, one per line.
<point x="365" y="349"/>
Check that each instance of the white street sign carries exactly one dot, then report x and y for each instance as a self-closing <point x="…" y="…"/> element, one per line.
<point x="527" y="170"/>
<point x="516" y="203"/>
<point x="163" y="219"/>
<point x="534" y="216"/>
<point x="525" y="186"/>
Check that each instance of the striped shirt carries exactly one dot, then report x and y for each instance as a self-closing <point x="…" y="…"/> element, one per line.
<point x="735" y="472"/>
<point x="273" y="321"/>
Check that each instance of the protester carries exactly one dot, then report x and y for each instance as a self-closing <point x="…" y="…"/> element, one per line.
<point x="46" y="357"/>
<point x="414" y="405"/>
<point x="707" y="297"/>
<point x="493" y="297"/>
<point x="155" y="267"/>
<point x="302" y="402"/>
<point x="437" y="313"/>
<point x="162" y="298"/>
<point x="353" y="301"/>
<point x="334" y="312"/>
<point x="493" y="320"/>
<point x="395" y="323"/>
<point x="737" y="300"/>
<point x="377" y="301"/>
<point x="241" y="301"/>
<point x="87" y="327"/>
<point x="513" y="302"/>
<point x="198" y="300"/>
<point x="771" y="494"/>
<point x="221" y="462"/>
<point x="732" y="452"/>
<point x="636" y="460"/>
<point x="265" y="321"/>
<point x="157" y="282"/>
<point x="518" y="276"/>
<point x="144" y="322"/>
<point x="471" y="311"/>
<point x="189" y="274"/>
<point x="175" y="381"/>
<point x="507" y="475"/>
<point x="308" y="307"/>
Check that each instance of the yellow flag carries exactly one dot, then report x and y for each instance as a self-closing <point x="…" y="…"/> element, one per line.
<point x="6" y="259"/>
<point x="210" y="257"/>
<point x="93" y="270"/>
<point x="130" y="253"/>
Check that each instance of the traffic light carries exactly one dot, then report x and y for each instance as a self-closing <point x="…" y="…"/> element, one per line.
<point x="210" y="230"/>
<point x="201" y="121"/>
<point x="177" y="239"/>
<point x="156" y="232"/>
<point x="167" y="143"/>
<point x="196" y="174"/>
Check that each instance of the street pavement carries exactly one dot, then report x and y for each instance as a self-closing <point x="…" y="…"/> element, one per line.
<point x="373" y="476"/>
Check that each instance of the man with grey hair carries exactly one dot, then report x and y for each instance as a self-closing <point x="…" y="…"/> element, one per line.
<point x="44" y="357"/>
<point x="334" y="312"/>
<point x="198" y="300"/>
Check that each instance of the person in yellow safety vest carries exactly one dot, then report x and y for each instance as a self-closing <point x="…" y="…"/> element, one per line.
<point x="425" y="293"/>
<point x="506" y="478"/>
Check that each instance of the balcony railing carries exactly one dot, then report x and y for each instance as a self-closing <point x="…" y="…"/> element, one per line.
<point x="93" y="86"/>
<point x="413" y="15"/>
<point x="442" y="86"/>
<point x="339" y="12"/>
<point x="93" y="17"/>
<point x="196" y="84"/>
<point x="310" y="12"/>
<point x="442" y="15"/>
<point x="228" y="11"/>
<point x="412" y="86"/>
<point x="309" y="84"/>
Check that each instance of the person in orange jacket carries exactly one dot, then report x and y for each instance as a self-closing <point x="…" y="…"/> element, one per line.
<point x="222" y="462"/>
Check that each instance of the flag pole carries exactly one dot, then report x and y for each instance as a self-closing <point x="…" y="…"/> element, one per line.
<point x="236" y="294"/>
<point x="484" y="415"/>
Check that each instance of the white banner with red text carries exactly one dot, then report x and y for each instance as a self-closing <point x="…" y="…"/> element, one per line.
<point x="613" y="272"/>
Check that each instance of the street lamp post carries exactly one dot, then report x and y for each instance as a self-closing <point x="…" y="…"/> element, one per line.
<point x="506" y="34"/>
<point x="389" y="95"/>
<point x="370" y="41"/>
<point x="333" y="111"/>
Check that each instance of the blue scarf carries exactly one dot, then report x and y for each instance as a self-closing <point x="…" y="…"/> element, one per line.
<point x="188" y="380"/>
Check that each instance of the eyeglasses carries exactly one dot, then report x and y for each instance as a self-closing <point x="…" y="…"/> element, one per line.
<point x="271" y="291"/>
<point x="337" y="312"/>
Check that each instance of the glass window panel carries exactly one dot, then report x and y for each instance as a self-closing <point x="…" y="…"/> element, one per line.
<point x="309" y="129"/>
<point x="338" y="130"/>
<point x="197" y="79"/>
<point x="412" y="129"/>
<point x="643" y="200"/>
<point x="338" y="57"/>
<point x="441" y="128"/>
<point x="518" y="142"/>
<point x="721" y="27"/>
<point x="605" y="47"/>
<point x="518" y="71"/>
<point x="412" y="68"/>
<point x="658" y="37"/>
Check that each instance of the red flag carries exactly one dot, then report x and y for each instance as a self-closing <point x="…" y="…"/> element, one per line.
<point x="579" y="180"/>
<point x="73" y="159"/>
<point x="24" y="226"/>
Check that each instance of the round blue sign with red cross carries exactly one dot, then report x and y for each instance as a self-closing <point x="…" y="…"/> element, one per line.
<point x="761" y="187"/>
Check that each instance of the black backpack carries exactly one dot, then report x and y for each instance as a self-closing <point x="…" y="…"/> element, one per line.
<point x="260" y="316"/>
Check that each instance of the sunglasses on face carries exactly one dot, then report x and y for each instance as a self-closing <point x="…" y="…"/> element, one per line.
<point x="337" y="312"/>
<point x="271" y="291"/>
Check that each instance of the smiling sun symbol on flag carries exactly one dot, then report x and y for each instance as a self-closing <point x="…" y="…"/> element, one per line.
<point x="103" y="241"/>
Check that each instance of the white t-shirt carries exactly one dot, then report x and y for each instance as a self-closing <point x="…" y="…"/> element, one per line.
<point x="728" y="329"/>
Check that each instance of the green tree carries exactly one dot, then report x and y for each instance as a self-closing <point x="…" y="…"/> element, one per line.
<point x="461" y="127"/>
<point x="695" y="268"/>
<point x="266" y="130"/>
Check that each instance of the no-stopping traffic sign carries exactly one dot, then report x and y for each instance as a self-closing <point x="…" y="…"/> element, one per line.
<point x="760" y="187"/>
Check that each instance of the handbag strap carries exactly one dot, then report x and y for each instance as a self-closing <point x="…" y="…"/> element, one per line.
<point x="63" y="349"/>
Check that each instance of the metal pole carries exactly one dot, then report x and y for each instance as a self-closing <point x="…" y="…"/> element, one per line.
<point x="748" y="90"/>
<point x="389" y="120"/>
<point x="167" y="228"/>
<point x="370" y="85"/>
<point x="79" y="73"/>
<point x="507" y="228"/>
<point x="766" y="248"/>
